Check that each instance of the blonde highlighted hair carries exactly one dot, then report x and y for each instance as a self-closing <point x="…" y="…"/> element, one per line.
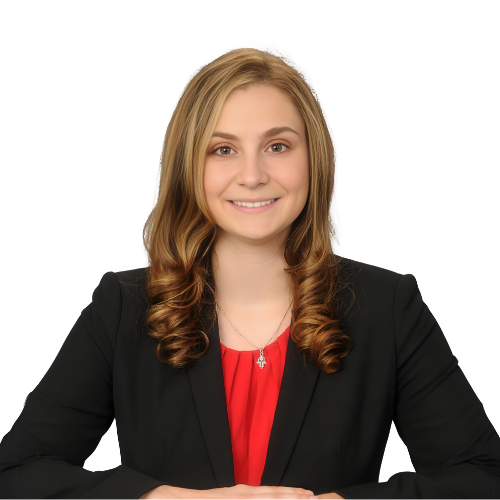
<point x="180" y="232"/>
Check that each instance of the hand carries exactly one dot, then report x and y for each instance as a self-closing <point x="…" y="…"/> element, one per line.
<point x="330" y="495"/>
<point x="158" y="492"/>
<point x="245" y="492"/>
<point x="238" y="491"/>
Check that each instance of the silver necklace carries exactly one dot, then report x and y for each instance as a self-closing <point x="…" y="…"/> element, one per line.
<point x="262" y="360"/>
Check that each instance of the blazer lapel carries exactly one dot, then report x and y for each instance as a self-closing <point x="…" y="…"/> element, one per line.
<point x="297" y="387"/>
<point x="207" y="383"/>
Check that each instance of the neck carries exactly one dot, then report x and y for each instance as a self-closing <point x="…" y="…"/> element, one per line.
<point x="250" y="282"/>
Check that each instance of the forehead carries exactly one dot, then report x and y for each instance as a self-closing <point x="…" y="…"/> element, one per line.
<point x="257" y="90"/>
<point x="258" y="103"/>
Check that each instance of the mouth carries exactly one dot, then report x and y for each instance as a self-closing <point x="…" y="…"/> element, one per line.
<point x="254" y="210"/>
<point x="235" y="202"/>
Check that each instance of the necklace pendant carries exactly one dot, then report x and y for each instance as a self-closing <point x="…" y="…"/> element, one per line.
<point x="262" y="360"/>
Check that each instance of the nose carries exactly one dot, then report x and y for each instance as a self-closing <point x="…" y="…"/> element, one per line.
<point x="252" y="171"/>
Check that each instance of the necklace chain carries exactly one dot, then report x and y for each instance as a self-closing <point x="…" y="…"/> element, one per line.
<point x="262" y="361"/>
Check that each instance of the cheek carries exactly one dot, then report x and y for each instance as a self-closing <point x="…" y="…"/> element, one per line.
<point x="296" y="181"/>
<point x="209" y="181"/>
<point x="213" y="183"/>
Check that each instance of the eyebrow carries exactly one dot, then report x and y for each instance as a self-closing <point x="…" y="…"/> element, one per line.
<point x="265" y="135"/>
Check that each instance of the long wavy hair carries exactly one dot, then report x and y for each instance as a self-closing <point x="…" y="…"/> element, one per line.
<point x="180" y="232"/>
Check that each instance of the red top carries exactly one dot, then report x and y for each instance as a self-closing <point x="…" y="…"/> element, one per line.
<point x="252" y="391"/>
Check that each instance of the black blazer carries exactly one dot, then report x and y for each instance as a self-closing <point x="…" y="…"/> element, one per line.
<point x="329" y="431"/>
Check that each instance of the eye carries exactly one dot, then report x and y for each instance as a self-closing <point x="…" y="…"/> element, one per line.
<point x="280" y="150"/>
<point x="225" y="146"/>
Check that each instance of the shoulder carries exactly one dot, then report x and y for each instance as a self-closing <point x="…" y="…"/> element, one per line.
<point x="132" y="276"/>
<point x="360" y="273"/>
<point x="128" y="283"/>
<point x="376" y="290"/>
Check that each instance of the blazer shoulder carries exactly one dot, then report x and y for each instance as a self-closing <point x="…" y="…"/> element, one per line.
<point x="357" y="273"/>
<point x="132" y="276"/>
<point x="115" y="283"/>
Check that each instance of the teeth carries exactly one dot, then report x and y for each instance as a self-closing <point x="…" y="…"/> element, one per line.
<point x="250" y="204"/>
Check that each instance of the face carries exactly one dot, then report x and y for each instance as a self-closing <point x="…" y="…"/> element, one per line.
<point x="251" y="158"/>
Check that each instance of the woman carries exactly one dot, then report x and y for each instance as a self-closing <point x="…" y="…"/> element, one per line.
<point x="248" y="360"/>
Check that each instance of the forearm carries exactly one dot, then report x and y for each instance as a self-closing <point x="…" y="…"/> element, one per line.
<point x="330" y="496"/>
<point x="166" y="491"/>
<point x="175" y="493"/>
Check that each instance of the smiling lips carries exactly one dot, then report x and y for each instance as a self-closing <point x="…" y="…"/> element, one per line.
<point x="249" y="204"/>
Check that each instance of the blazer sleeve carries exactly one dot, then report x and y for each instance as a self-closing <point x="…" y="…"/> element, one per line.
<point x="68" y="412"/>
<point x="453" y="446"/>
